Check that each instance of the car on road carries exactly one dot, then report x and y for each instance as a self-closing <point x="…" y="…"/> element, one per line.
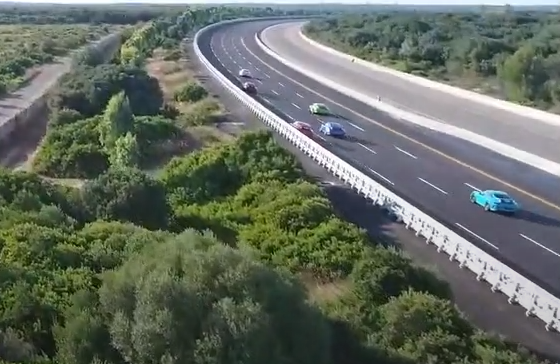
<point x="495" y="201"/>
<point x="319" y="109"/>
<point x="333" y="129"/>
<point x="244" y="73"/>
<point x="304" y="128"/>
<point x="250" y="88"/>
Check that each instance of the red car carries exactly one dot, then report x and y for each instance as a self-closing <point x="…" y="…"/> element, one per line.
<point x="250" y="88"/>
<point x="304" y="128"/>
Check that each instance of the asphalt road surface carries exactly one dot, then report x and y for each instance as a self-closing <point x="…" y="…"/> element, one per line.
<point x="402" y="158"/>
<point x="487" y="310"/>
<point x="521" y="132"/>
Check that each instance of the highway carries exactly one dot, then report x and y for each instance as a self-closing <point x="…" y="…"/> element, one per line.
<point x="521" y="132"/>
<point x="433" y="171"/>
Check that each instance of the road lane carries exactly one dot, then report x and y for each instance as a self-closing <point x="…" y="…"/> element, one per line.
<point x="524" y="133"/>
<point x="411" y="170"/>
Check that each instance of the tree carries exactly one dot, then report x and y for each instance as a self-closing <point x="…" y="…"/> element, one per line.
<point x="524" y="75"/>
<point x="424" y="329"/>
<point x="193" y="299"/>
<point x="126" y="195"/>
<point x="116" y="122"/>
<point x="125" y="152"/>
<point x="384" y="273"/>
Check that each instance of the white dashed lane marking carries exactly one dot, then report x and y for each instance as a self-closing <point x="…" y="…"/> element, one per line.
<point x="405" y="152"/>
<point x="473" y="187"/>
<point x="356" y="126"/>
<point x="539" y="245"/>
<point x="366" y="148"/>
<point x="381" y="176"/>
<point x="433" y="186"/>
<point x="476" y="236"/>
<point x="296" y="106"/>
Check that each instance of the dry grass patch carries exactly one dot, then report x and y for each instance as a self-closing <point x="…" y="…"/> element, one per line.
<point x="208" y="135"/>
<point x="323" y="292"/>
<point x="198" y="119"/>
<point x="170" y="74"/>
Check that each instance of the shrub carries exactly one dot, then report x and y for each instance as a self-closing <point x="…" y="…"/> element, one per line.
<point x="191" y="92"/>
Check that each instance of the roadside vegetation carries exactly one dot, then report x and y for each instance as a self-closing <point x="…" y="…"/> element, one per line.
<point x="507" y="54"/>
<point x="228" y="253"/>
<point x="23" y="47"/>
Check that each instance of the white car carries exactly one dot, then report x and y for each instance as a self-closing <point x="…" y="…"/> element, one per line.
<point x="244" y="73"/>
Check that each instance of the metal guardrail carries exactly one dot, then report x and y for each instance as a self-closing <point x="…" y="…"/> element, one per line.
<point x="500" y="277"/>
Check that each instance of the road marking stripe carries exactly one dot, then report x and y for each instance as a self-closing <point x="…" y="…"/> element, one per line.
<point x="299" y="95"/>
<point x="274" y="92"/>
<point x="477" y="236"/>
<point x="296" y="106"/>
<point x="366" y="148"/>
<point x="433" y="186"/>
<point x="381" y="176"/>
<point x="281" y="84"/>
<point x="289" y="116"/>
<point x="356" y="126"/>
<point x="410" y="139"/>
<point x="538" y="244"/>
<point x="473" y="187"/>
<point x="405" y="152"/>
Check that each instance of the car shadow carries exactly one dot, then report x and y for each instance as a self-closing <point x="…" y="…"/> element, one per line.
<point x="534" y="218"/>
<point x="355" y="139"/>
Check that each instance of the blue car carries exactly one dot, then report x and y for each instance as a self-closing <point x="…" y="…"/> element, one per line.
<point x="333" y="129"/>
<point x="495" y="201"/>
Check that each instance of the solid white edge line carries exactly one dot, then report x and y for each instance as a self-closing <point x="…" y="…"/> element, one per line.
<point x="381" y="176"/>
<point x="432" y="185"/>
<point x="477" y="236"/>
<point x="405" y="152"/>
<point x="366" y="148"/>
<point x="539" y="244"/>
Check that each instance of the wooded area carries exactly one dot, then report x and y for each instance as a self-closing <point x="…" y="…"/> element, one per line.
<point x="228" y="254"/>
<point x="508" y="54"/>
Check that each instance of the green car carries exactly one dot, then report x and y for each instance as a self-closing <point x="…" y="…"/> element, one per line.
<point x="319" y="109"/>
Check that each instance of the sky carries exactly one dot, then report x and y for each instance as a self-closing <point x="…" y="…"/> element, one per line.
<point x="414" y="2"/>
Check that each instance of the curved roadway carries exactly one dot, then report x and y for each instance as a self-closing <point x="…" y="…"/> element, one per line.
<point x="533" y="136"/>
<point x="435" y="172"/>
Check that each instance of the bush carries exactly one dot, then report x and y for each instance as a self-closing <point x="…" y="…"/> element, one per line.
<point x="203" y="112"/>
<point x="191" y="92"/>
<point x="72" y="151"/>
<point x="126" y="195"/>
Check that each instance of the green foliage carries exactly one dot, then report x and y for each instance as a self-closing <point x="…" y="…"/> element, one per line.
<point x="87" y="90"/>
<point x="126" y="195"/>
<point x="72" y="151"/>
<point x="114" y="272"/>
<point x="190" y="92"/>
<point x="26" y="46"/>
<point x="514" y="54"/>
<point x="193" y="300"/>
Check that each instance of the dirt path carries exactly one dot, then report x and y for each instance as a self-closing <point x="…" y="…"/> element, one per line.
<point x="17" y="150"/>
